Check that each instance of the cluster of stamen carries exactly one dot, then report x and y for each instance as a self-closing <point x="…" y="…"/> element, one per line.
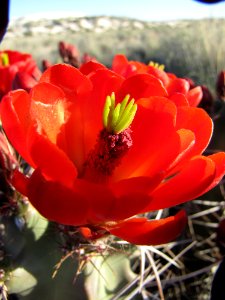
<point x="4" y="59"/>
<point x="117" y="118"/>
<point x="156" y="65"/>
<point x="113" y="141"/>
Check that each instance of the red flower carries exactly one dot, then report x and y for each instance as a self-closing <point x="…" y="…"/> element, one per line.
<point x="172" y="84"/>
<point x="208" y="101"/>
<point x="105" y="148"/>
<point x="17" y="70"/>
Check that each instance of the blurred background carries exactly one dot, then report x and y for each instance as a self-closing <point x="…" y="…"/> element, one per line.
<point x="184" y="35"/>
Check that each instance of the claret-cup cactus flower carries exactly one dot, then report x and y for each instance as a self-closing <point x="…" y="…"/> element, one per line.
<point x="106" y="148"/>
<point x="171" y="82"/>
<point x="17" y="70"/>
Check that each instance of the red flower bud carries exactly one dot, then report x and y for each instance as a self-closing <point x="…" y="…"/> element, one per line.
<point x="46" y="64"/>
<point x="207" y="99"/>
<point x="220" y="85"/>
<point x="62" y="49"/>
<point x="69" y="54"/>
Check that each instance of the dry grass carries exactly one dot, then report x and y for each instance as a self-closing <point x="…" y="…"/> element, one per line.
<point x="182" y="269"/>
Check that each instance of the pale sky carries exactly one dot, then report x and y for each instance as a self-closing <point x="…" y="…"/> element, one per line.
<point x="150" y="10"/>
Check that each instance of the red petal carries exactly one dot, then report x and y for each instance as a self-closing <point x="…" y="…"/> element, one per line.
<point x="56" y="202"/>
<point x="105" y="206"/>
<point x="47" y="93"/>
<point x="219" y="160"/>
<point x="23" y="80"/>
<point x="132" y="195"/>
<point x="142" y="231"/>
<point x="100" y="198"/>
<point x="16" y="120"/>
<point x="52" y="161"/>
<point x="6" y="80"/>
<point x="179" y="99"/>
<point x="142" y="86"/>
<point x="71" y="137"/>
<point x="199" y="122"/>
<point x="49" y="109"/>
<point x="160" y="74"/>
<point x="187" y="142"/>
<point x="128" y="205"/>
<point x="191" y="182"/>
<point x="104" y="83"/>
<point x="90" y="67"/>
<point x="136" y="185"/>
<point x="85" y="203"/>
<point x="126" y="68"/>
<point x="69" y="79"/>
<point x="119" y="63"/>
<point x="17" y="57"/>
<point x="20" y="182"/>
<point x="178" y="85"/>
<point x="194" y="96"/>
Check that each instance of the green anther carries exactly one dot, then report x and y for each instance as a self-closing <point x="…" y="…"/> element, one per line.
<point x="106" y="111"/>
<point x="128" y="108"/>
<point x="117" y="118"/>
<point x="116" y="115"/>
<point x="4" y="59"/>
<point x="124" y="116"/>
<point x="127" y="119"/>
<point x="124" y="103"/>
<point x="111" y="110"/>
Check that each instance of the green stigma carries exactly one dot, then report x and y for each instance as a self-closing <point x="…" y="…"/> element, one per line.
<point x="4" y="59"/>
<point x="117" y="118"/>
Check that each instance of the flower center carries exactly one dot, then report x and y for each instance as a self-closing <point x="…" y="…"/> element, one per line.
<point x="117" y="118"/>
<point x="4" y="59"/>
<point x="113" y="141"/>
